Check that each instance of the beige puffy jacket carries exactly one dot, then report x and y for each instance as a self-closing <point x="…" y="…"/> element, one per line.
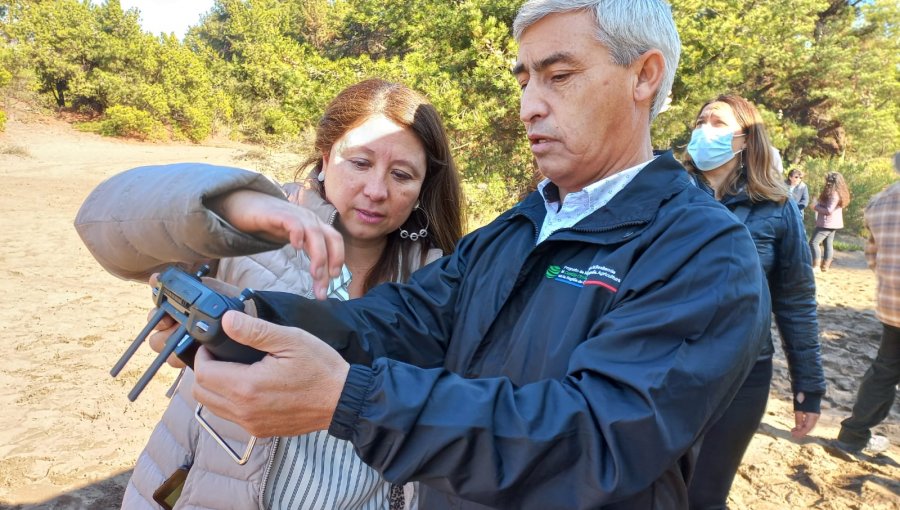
<point x="142" y="220"/>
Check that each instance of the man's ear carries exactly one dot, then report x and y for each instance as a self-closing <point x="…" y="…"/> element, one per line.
<point x="649" y="69"/>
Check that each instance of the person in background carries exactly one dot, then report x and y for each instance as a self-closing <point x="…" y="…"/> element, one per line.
<point x="798" y="190"/>
<point x="878" y="387"/>
<point x="777" y="163"/>
<point x="835" y="196"/>
<point x="571" y="353"/>
<point x="729" y="153"/>
<point x="383" y="176"/>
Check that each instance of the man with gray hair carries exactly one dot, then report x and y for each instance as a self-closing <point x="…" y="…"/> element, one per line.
<point x="568" y="355"/>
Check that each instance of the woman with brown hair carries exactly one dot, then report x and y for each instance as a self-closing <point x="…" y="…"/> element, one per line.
<point x="383" y="177"/>
<point x="729" y="153"/>
<point x="829" y="218"/>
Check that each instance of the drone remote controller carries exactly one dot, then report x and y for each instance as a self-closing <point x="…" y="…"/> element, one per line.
<point x="198" y="311"/>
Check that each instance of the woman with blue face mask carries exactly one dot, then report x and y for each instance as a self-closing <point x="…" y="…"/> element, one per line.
<point x="730" y="155"/>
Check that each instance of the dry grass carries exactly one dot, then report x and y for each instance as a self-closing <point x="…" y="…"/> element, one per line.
<point x="14" y="150"/>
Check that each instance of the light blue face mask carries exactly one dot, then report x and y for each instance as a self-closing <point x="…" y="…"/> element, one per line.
<point x="710" y="147"/>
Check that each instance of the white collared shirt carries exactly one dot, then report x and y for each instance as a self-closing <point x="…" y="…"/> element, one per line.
<point x="579" y="204"/>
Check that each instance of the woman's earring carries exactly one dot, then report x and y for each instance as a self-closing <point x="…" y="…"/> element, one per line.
<point x="415" y="236"/>
<point x="321" y="176"/>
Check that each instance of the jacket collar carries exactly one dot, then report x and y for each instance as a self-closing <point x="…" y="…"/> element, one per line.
<point x="311" y="200"/>
<point x="637" y="203"/>
<point x="741" y="197"/>
<point x="731" y="201"/>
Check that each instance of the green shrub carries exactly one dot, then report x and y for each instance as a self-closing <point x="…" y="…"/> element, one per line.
<point x="130" y="122"/>
<point x="277" y="124"/>
<point x="91" y="126"/>
<point x="5" y="78"/>
<point x="485" y="199"/>
<point x="196" y="124"/>
<point x="845" y="246"/>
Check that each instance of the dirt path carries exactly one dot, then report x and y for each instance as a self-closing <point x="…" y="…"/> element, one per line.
<point x="66" y="424"/>
<point x="779" y="472"/>
<point x="69" y="436"/>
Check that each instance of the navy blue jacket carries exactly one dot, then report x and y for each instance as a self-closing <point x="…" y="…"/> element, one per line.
<point x="578" y="373"/>
<point x="777" y="231"/>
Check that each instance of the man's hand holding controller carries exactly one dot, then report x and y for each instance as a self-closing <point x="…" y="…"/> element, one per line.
<point x="293" y="390"/>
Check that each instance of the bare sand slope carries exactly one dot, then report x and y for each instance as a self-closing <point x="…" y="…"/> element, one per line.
<point x="69" y="436"/>
<point x="66" y="423"/>
<point x="779" y="472"/>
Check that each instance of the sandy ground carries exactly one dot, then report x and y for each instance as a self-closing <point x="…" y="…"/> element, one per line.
<point x="69" y="436"/>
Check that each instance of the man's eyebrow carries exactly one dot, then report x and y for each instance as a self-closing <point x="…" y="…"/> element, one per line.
<point x="555" y="58"/>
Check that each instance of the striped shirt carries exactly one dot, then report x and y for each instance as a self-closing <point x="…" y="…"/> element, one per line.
<point x="883" y="252"/>
<point x="318" y="471"/>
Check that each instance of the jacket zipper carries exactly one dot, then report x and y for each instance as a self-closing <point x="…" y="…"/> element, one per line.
<point x="265" y="478"/>
<point x="271" y="462"/>
<point x="593" y="230"/>
<point x="537" y="227"/>
<point x="612" y="227"/>
<point x="275" y="440"/>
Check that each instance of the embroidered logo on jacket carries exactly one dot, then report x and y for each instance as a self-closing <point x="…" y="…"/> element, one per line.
<point x="601" y="276"/>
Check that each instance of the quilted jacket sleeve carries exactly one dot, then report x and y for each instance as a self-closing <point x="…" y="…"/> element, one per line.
<point x="141" y="220"/>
